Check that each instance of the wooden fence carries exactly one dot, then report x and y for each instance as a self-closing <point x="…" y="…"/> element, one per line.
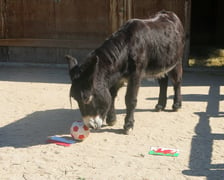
<point x="44" y="30"/>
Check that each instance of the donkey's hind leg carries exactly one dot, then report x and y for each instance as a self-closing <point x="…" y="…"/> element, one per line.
<point x="176" y="78"/>
<point x="163" y="82"/>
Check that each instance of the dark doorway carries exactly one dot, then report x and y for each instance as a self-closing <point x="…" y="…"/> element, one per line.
<point x="207" y="32"/>
<point x="207" y="23"/>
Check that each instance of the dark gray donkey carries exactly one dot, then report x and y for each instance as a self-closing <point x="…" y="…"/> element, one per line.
<point x="151" y="47"/>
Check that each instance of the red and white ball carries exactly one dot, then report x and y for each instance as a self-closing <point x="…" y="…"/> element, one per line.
<point x="79" y="131"/>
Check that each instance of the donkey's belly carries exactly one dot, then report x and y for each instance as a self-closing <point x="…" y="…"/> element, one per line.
<point x="158" y="72"/>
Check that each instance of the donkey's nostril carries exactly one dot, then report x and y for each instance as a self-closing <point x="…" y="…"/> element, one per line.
<point x="93" y="122"/>
<point x="93" y="125"/>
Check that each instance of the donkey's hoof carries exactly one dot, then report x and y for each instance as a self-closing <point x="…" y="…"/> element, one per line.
<point x="128" y="128"/>
<point x="111" y="123"/>
<point x="111" y="119"/>
<point x="176" y="107"/>
<point x="128" y="131"/>
<point x="159" y="108"/>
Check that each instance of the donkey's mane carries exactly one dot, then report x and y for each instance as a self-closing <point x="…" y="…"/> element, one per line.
<point x="114" y="47"/>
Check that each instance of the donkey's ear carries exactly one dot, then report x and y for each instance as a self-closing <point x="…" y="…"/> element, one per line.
<point x="72" y="62"/>
<point x="96" y="59"/>
<point x="74" y="70"/>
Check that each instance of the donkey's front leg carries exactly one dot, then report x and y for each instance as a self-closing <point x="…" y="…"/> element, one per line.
<point x="131" y="101"/>
<point x="111" y="116"/>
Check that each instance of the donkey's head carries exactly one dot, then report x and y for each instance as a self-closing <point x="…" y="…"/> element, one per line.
<point x="93" y="100"/>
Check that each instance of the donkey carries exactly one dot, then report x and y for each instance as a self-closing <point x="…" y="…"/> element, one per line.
<point x="150" y="48"/>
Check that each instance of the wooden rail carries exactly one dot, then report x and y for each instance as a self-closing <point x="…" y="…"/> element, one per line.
<point x="52" y="43"/>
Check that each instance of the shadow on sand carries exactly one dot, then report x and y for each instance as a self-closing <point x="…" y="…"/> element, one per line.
<point x="36" y="127"/>
<point x="200" y="163"/>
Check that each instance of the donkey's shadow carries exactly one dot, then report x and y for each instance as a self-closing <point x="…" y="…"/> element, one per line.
<point x="36" y="127"/>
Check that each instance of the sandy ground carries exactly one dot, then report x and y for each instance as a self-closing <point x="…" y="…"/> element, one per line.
<point x="34" y="105"/>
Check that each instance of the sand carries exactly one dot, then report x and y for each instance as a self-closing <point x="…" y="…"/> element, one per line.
<point x="34" y="104"/>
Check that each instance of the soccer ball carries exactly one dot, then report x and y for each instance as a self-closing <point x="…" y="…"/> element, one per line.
<point x="79" y="131"/>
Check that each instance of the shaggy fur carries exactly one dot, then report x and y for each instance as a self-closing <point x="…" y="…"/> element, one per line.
<point x="151" y="47"/>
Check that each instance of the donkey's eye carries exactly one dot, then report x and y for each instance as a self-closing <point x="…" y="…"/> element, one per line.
<point x="86" y="97"/>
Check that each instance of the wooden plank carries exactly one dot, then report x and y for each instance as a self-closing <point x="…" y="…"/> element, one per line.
<point x="76" y="44"/>
<point x="143" y="9"/>
<point x="187" y="26"/>
<point x="81" y="19"/>
<point x="70" y="19"/>
<point x="14" y="19"/>
<point x="113" y="17"/>
<point x="30" y="19"/>
<point x="2" y="18"/>
<point x="129" y="9"/>
<point x="38" y="19"/>
<point x="120" y="12"/>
